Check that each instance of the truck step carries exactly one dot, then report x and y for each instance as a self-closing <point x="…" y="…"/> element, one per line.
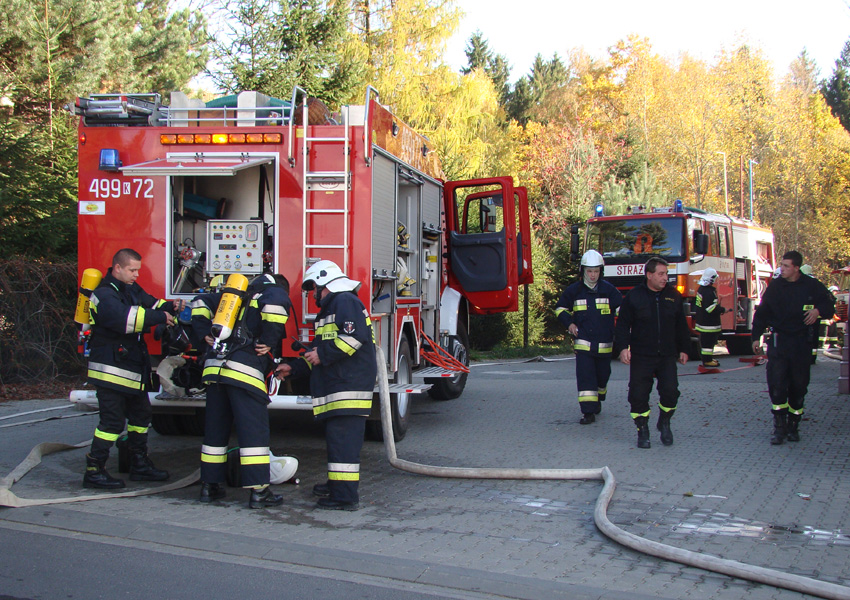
<point x="406" y="388"/>
<point x="434" y="372"/>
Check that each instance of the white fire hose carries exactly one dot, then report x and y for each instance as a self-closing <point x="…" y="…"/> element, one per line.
<point x="708" y="562"/>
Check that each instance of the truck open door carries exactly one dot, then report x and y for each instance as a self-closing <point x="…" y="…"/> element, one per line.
<point x="483" y="250"/>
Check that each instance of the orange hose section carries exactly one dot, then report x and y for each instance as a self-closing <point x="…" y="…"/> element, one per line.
<point x="446" y="361"/>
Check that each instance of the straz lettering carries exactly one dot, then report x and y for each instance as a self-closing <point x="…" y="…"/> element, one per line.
<point x="626" y="270"/>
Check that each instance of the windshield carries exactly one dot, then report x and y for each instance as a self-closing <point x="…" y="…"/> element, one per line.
<point x="638" y="239"/>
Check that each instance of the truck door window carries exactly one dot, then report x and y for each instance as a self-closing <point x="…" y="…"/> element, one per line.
<point x="483" y="213"/>
<point x="722" y="241"/>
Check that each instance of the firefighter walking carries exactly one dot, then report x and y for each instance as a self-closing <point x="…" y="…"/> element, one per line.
<point x="235" y="373"/>
<point x="792" y="307"/>
<point x="708" y="311"/>
<point x="587" y="309"/>
<point x="120" y="370"/>
<point x="651" y="335"/>
<point x="342" y="368"/>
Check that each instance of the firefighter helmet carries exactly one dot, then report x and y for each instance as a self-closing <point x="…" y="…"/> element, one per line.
<point x="833" y="289"/>
<point x="708" y="276"/>
<point x="592" y="258"/>
<point x="326" y="273"/>
<point x="806" y="270"/>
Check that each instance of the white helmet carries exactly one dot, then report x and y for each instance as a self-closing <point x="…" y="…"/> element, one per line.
<point x="777" y="272"/>
<point x="592" y="258"/>
<point x="708" y="276"/>
<point x="806" y="270"/>
<point x="326" y="273"/>
<point x="281" y="468"/>
<point x="833" y="289"/>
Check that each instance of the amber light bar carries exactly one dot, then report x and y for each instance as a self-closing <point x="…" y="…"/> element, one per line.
<point x="169" y="139"/>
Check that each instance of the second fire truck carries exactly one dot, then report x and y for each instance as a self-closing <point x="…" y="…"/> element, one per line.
<point x="691" y="240"/>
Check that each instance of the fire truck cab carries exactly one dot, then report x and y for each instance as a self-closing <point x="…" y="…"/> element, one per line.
<point x="251" y="184"/>
<point x="691" y="240"/>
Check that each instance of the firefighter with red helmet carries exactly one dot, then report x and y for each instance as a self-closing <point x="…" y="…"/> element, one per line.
<point x="587" y="309"/>
<point x="120" y="370"/>
<point x="707" y="317"/>
<point x="237" y="395"/>
<point x="342" y="368"/>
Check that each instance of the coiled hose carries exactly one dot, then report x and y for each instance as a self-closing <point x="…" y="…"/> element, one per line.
<point x="708" y="562"/>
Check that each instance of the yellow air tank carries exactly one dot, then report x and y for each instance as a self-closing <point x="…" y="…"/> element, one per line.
<point x="91" y="279"/>
<point x="228" y="308"/>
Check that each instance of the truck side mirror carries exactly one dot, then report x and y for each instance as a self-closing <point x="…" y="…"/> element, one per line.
<point x="700" y="243"/>
<point x="574" y="243"/>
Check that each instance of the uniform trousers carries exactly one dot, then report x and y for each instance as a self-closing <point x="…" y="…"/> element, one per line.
<point x="344" y="439"/>
<point x="642" y="370"/>
<point x="788" y="370"/>
<point x="592" y="374"/>
<point x="707" y="342"/>
<point x="229" y="406"/>
<point x="116" y="408"/>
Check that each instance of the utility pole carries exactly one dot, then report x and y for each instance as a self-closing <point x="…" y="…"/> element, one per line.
<point x="752" y="162"/>
<point x="742" y="186"/>
<point x="725" y="182"/>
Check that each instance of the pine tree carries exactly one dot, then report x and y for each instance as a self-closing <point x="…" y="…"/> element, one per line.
<point x="836" y="89"/>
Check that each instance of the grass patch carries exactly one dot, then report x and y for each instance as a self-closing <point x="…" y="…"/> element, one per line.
<point x="508" y="352"/>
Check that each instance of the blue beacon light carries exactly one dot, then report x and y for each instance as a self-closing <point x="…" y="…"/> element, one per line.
<point x="109" y="160"/>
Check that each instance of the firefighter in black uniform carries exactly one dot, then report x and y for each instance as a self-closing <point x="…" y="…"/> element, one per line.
<point x="792" y="306"/>
<point x="707" y="318"/>
<point x="342" y="368"/>
<point x="651" y="334"/>
<point x="237" y="394"/>
<point x="120" y="369"/>
<point x="587" y="309"/>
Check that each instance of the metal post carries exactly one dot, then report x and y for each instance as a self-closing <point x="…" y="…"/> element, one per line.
<point x="525" y="317"/>
<point x="725" y="183"/>
<point x="752" y="162"/>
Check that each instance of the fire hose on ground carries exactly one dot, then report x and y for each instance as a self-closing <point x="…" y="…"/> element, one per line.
<point x="708" y="562"/>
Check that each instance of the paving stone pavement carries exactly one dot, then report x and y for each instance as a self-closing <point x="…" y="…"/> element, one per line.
<point x="720" y="489"/>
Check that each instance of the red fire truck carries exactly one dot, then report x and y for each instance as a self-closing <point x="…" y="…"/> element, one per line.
<point x="245" y="184"/>
<point x="691" y="240"/>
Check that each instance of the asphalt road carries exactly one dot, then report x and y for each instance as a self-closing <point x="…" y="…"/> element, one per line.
<point x="721" y="489"/>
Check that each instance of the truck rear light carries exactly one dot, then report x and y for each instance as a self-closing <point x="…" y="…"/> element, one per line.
<point x="203" y="138"/>
<point x="185" y="138"/>
<point x="236" y="138"/>
<point x="219" y="138"/>
<point x="254" y="138"/>
<point x="167" y="138"/>
<point x="682" y="284"/>
<point x="82" y="139"/>
<point x="273" y="138"/>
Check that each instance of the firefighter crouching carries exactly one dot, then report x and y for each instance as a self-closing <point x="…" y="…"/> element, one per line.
<point x="587" y="309"/>
<point x="235" y="372"/>
<point x="342" y="368"/>
<point x="792" y="306"/>
<point x="708" y="311"/>
<point x="120" y="370"/>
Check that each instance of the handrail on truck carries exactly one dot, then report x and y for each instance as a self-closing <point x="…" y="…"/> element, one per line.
<point x="295" y="91"/>
<point x="367" y="129"/>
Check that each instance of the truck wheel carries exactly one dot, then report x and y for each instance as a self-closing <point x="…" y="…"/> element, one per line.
<point x="400" y="404"/>
<point x="448" y="388"/>
<point x="740" y="345"/>
<point x="193" y="424"/>
<point x="166" y="424"/>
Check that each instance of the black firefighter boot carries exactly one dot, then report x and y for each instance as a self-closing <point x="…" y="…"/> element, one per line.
<point x="663" y="426"/>
<point x="142" y="469"/>
<point x="779" y="426"/>
<point x="643" y="432"/>
<point x="97" y="477"/>
<point x="263" y="498"/>
<point x="791" y="432"/>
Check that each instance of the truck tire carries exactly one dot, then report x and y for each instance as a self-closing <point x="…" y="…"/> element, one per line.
<point x="740" y="345"/>
<point x="193" y="424"/>
<point x="165" y="424"/>
<point x="400" y="404"/>
<point x="448" y="388"/>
